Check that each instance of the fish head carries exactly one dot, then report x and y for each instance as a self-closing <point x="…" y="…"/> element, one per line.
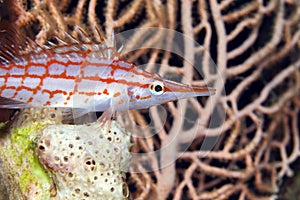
<point x="160" y="91"/>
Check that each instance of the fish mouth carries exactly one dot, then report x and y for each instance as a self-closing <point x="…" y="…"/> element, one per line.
<point x="187" y="90"/>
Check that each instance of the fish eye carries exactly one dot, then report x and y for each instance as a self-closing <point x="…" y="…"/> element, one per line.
<point x="157" y="88"/>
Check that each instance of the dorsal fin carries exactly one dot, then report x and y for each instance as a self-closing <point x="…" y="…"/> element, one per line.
<point x="14" y="46"/>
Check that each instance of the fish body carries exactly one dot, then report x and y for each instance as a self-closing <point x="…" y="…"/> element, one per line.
<point x="78" y="76"/>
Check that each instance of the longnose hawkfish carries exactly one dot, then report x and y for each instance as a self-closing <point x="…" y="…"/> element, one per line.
<point x="82" y="75"/>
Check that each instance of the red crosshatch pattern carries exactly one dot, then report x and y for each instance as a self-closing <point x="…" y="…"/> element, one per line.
<point x="81" y="75"/>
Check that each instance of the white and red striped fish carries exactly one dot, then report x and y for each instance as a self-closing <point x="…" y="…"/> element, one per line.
<point x="82" y="75"/>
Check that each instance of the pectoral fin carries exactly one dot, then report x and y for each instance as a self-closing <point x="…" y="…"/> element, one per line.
<point x="12" y="104"/>
<point x="78" y="115"/>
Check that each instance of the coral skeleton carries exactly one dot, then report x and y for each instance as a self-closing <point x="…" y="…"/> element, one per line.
<point x="86" y="161"/>
<point x="22" y="172"/>
<point x="44" y="159"/>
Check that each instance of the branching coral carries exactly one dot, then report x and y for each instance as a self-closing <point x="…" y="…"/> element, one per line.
<point x="255" y="45"/>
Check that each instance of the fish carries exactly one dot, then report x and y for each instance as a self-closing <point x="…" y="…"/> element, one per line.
<point x="81" y="75"/>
